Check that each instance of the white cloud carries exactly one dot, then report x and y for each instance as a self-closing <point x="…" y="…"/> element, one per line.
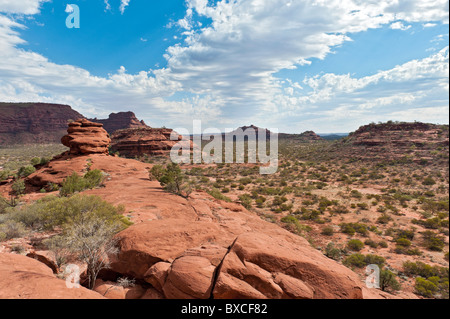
<point x="123" y="5"/>
<point x="21" y="6"/>
<point x="107" y="5"/>
<point x="399" y="26"/>
<point x="227" y="70"/>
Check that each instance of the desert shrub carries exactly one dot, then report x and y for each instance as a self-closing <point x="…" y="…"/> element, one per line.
<point x="18" y="187"/>
<point x="24" y="171"/>
<point x="433" y="241"/>
<point x="91" y="237"/>
<point x="388" y="281"/>
<point x="294" y="225"/>
<point x="384" y="219"/>
<point x="426" y="288"/>
<point x="383" y="244"/>
<point x="340" y="210"/>
<point x="355" y="245"/>
<point x="333" y="252"/>
<point x="94" y="178"/>
<point x="4" y="175"/>
<point x="355" y="260"/>
<point x="371" y="243"/>
<point x="371" y="259"/>
<point x="216" y="193"/>
<point x="428" y="181"/>
<point x="359" y="260"/>
<point x="424" y="270"/>
<point x="51" y="211"/>
<point x="173" y="180"/>
<point x="403" y="242"/>
<point x="352" y="228"/>
<point x="246" y="201"/>
<point x="75" y="183"/>
<point x="58" y="246"/>
<point x="12" y="229"/>
<point x="327" y="231"/>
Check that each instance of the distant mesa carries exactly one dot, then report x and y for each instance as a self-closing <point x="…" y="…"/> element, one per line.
<point x="28" y="123"/>
<point x="86" y="137"/>
<point x="308" y="136"/>
<point x="120" y="121"/>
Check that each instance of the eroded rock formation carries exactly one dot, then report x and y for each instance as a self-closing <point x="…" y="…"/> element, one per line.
<point x="120" y="121"/>
<point x="85" y="137"/>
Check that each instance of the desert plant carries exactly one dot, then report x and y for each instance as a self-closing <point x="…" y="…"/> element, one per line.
<point x="92" y="239"/>
<point x="388" y="281"/>
<point x="355" y="245"/>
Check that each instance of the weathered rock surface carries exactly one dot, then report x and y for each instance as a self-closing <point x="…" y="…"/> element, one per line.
<point x="22" y="123"/>
<point x="120" y="121"/>
<point x="85" y="137"/>
<point x="26" y="278"/>
<point x="149" y="141"/>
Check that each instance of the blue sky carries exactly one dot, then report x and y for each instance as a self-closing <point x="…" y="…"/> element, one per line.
<point x="295" y="65"/>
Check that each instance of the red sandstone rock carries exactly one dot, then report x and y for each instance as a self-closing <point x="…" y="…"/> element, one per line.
<point x="149" y="141"/>
<point x="85" y="137"/>
<point x="120" y="121"/>
<point x="26" y="278"/>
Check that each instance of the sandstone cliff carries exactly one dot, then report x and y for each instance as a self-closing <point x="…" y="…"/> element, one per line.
<point x="23" y="123"/>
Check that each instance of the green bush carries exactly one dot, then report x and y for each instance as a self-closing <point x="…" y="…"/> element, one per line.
<point x="173" y="180"/>
<point x="388" y="281"/>
<point x="216" y="193"/>
<point x="75" y="183"/>
<point x="18" y="187"/>
<point x="51" y="211"/>
<point x="359" y="260"/>
<point x="433" y="241"/>
<point x="355" y="245"/>
<point x="426" y="288"/>
<point x="25" y="171"/>
<point x="355" y="260"/>
<point x="327" y="231"/>
<point x="12" y="229"/>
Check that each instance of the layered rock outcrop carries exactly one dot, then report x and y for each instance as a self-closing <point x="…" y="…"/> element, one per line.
<point x="85" y="137"/>
<point x="120" y="121"/>
<point x="140" y="141"/>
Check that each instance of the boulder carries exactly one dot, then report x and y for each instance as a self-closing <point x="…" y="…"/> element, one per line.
<point x="22" y="277"/>
<point x="85" y="137"/>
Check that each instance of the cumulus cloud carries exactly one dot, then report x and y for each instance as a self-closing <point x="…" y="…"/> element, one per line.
<point x="399" y="26"/>
<point x="21" y="7"/>
<point x="228" y="69"/>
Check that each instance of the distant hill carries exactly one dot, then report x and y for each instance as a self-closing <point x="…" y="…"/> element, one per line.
<point x="308" y="136"/>
<point x="120" y="121"/>
<point x="399" y="141"/>
<point x="40" y="123"/>
<point x="333" y="136"/>
<point x="27" y="123"/>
